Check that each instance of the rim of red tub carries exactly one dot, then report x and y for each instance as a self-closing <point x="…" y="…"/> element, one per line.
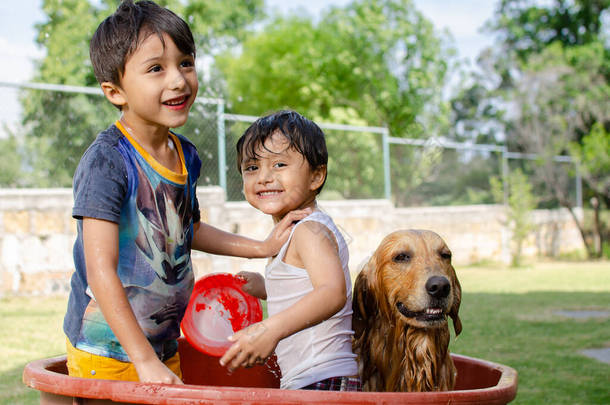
<point x="44" y="375"/>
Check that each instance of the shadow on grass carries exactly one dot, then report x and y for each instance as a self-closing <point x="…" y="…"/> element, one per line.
<point x="523" y="331"/>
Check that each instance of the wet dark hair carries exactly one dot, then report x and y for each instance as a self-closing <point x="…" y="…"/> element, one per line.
<point x="302" y="134"/>
<point x="120" y="34"/>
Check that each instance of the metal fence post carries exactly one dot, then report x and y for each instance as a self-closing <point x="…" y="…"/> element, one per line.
<point x="505" y="174"/>
<point x="387" y="183"/>
<point x="578" y="187"/>
<point x="222" y="155"/>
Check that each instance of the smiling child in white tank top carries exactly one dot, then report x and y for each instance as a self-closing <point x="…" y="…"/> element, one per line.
<point x="283" y="161"/>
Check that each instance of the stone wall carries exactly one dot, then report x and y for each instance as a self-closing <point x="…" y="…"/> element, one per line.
<point x="37" y="233"/>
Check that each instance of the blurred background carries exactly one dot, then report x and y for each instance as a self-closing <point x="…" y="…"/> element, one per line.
<point x="485" y="120"/>
<point x="425" y="103"/>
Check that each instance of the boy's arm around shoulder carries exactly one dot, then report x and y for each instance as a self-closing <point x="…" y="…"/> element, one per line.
<point x="101" y="244"/>
<point x="210" y="239"/>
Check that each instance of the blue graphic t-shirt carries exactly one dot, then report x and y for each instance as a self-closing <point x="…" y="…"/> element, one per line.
<point x="155" y="208"/>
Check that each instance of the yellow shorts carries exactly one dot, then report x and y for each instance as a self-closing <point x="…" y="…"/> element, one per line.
<point x="87" y="365"/>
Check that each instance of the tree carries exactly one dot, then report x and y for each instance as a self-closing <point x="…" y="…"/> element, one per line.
<point x="548" y="82"/>
<point x="527" y="27"/>
<point x="593" y="162"/>
<point x="10" y="161"/>
<point x="521" y="203"/>
<point x="560" y="95"/>
<point x="62" y="125"/>
<point x="378" y="58"/>
<point x="54" y="121"/>
<point x="375" y="62"/>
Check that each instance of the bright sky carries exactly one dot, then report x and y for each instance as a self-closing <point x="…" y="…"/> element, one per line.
<point x="18" y="50"/>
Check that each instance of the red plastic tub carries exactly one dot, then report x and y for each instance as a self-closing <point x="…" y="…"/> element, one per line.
<point x="478" y="382"/>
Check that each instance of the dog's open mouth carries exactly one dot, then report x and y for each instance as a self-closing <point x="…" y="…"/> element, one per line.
<point x="431" y="314"/>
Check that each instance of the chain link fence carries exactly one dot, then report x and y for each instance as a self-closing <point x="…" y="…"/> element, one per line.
<point x="52" y="125"/>
<point x="435" y="175"/>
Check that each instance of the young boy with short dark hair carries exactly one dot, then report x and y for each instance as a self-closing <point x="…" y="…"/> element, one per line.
<point x="136" y="205"/>
<point x="283" y="159"/>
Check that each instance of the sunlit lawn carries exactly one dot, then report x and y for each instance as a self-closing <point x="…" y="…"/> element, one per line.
<point x="508" y="317"/>
<point x="31" y="329"/>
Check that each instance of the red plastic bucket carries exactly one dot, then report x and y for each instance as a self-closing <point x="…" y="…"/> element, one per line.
<point x="478" y="382"/>
<point x="218" y="307"/>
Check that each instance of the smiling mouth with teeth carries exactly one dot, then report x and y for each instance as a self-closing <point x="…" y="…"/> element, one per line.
<point x="427" y="315"/>
<point x="268" y="193"/>
<point x="176" y="102"/>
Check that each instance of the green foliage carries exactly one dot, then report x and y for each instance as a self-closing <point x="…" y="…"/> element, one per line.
<point x="10" y="162"/>
<point x="593" y="159"/>
<point x="378" y="58"/>
<point x="355" y="167"/>
<point x="372" y="62"/>
<point x="65" y="36"/>
<point x="562" y="93"/>
<point x="543" y="88"/>
<point x="217" y="24"/>
<point x="272" y="70"/>
<point x="59" y="126"/>
<point x="521" y="202"/>
<point x="529" y="26"/>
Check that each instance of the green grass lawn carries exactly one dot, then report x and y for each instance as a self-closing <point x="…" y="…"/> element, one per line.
<point x="509" y="317"/>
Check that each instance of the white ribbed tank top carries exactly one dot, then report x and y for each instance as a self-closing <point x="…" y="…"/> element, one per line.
<point x="323" y="350"/>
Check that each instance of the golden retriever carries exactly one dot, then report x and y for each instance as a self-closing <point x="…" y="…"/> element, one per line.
<point x="401" y="301"/>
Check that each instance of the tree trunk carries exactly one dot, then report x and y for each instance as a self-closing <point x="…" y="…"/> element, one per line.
<point x="597" y="229"/>
<point x="583" y="235"/>
<point x="565" y="202"/>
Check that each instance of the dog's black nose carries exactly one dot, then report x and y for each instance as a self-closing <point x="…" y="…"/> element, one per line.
<point x="438" y="287"/>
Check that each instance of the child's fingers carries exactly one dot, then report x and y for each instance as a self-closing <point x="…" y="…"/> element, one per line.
<point x="240" y="360"/>
<point x="176" y="380"/>
<point x="290" y="219"/>
<point x="245" y="275"/>
<point x="296" y="215"/>
<point x="229" y="354"/>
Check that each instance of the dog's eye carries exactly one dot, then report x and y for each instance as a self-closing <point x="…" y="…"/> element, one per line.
<point x="402" y="257"/>
<point x="445" y="255"/>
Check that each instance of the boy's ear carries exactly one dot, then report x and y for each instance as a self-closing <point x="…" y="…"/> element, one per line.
<point x="114" y="93"/>
<point x="317" y="177"/>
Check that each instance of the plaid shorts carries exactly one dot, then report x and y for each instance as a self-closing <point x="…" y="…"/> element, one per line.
<point x="336" y="384"/>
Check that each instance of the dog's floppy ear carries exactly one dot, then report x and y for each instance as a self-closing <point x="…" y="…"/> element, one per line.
<point x="455" y="308"/>
<point x="363" y="302"/>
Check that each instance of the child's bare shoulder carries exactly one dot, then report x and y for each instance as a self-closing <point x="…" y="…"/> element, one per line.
<point x="314" y="232"/>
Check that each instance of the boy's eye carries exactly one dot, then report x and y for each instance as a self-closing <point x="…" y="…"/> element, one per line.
<point x="280" y="164"/>
<point x="250" y="168"/>
<point x="155" y="68"/>
<point x="187" y="63"/>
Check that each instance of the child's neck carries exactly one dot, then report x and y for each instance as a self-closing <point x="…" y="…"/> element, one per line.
<point x="148" y="136"/>
<point x="156" y="142"/>
<point x="313" y="204"/>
